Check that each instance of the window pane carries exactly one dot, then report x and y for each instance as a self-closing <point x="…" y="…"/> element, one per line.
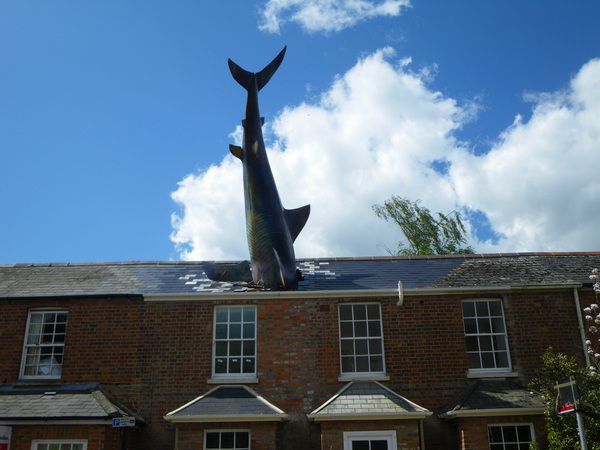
<point x="221" y="317"/>
<point x="248" y="348"/>
<point x="481" y="308"/>
<point x="496" y="308"/>
<point x="235" y="365"/>
<point x="348" y="364"/>
<point x="379" y="445"/>
<point x="242" y="439"/>
<point x="360" y="329"/>
<point x="510" y="434"/>
<point x="361" y="347"/>
<point x="248" y="330"/>
<point x="473" y="361"/>
<point x="373" y="311"/>
<point x="376" y="364"/>
<point x="221" y="331"/>
<point x="360" y="312"/>
<point x="345" y="312"/>
<point x="235" y="331"/>
<point x="227" y="439"/>
<point x="235" y="348"/>
<point x="374" y="328"/>
<point x="347" y="347"/>
<point x="249" y="315"/>
<point x="375" y="347"/>
<point x="524" y="433"/>
<point x="221" y="348"/>
<point x="212" y="440"/>
<point x="346" y="329"/>
<point x="470" y="326"/>
<point x="235" y="314"/>
<point x="248" y="365"/>
<point x="488" y="361"/>
<point x="483" y="325"/>
<point x="501" y="359"/>
<point x="468" y="309"/>
<point x="485" y="343"/>
<point x="362" y="364"/>
<point x="472" y="344"/>
<point x="360" y="445"/>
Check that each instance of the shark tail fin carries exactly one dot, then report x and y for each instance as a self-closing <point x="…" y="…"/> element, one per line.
<point x="246" y="79"/>
<point x="296" y="219"/>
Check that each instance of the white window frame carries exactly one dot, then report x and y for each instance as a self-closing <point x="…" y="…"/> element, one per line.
<point x="344" y="341"/>
<point x="387" y="435"/>
<point x="502" y="425"/>
<point x="229" y="431"/>
<point x="33" y="347"/>
<point x="244" y="339"/>
<point x="489" y="329"/>
<point x="35" y="443"/>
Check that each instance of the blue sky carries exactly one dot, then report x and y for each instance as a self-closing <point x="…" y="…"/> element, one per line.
<point x="116" y="116"/>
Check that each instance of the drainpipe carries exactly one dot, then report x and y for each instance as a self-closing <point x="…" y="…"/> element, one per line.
<point x="581" y="327"/>
<point x="400" y="295"/>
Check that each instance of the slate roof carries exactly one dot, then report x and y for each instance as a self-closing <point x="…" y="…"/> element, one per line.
<point x="81" y="402"/>
<point x="367" y="399"/>
<point x="494" y="397"/>
<point x="229" y="404"/>
<point x="327" y="274"/>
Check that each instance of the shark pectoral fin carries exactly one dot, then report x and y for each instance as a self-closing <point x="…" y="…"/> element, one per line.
<point x="228" y="272"/>
<point x="296" y="219"/>
<point x="236" y="151"/>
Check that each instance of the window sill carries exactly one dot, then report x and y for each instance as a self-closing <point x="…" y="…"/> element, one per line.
<point x="38" y="382"/>
<point x="347" y="378"/>
<point x="496" y="374"/>
<point x="232" y="380"/>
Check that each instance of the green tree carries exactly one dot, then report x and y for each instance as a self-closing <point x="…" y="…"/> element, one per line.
<point x="426" y="233"/>
<point x="561" y="430"/>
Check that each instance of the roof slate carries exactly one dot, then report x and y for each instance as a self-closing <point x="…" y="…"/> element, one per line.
<point x="493" y="394"/>
<point x="366" y="398"/>
<point x="82" y="402"/>
<point x="330" y="274"/>
<point x="227" y="402"/>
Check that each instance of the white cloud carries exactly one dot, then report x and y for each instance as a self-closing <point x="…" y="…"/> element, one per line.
<point x="375" y="133"/>
<point x="325" y="15"/>
<point x="539" y="184"/>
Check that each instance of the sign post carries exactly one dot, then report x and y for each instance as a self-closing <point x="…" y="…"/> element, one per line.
<point x="123" y="422"/>
<point x="567" y="401"/>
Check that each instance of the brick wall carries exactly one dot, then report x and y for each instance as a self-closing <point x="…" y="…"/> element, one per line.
<point x="474" y="431"/>
<point x="98" y="437"/>
<point x="156" y="356"/>
<point x="407" y="432"/>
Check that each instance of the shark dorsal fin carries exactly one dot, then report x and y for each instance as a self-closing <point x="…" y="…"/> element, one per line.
<point x="296" y="219"/>
<point x="236" y="151"/>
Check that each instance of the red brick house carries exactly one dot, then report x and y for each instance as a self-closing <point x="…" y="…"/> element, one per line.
<point x="373" y="353"/>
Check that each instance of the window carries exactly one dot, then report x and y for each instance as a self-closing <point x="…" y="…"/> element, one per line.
<point x="361" y="339"/>
<point x="510" y="437"/>
<point x="44" y="344"/>
<point x="370" y="440"/>
<point x="485" y="333"/>
<point x="58" y="445"/>
<point x="234" y="440"/>
<point x="235" y="341"/>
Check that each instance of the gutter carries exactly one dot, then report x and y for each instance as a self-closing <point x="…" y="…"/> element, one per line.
<point x="493" y="412"/>
<point x="226" y="418"/>
<point x="350" y="293"/>
<point x="377" y="416"/>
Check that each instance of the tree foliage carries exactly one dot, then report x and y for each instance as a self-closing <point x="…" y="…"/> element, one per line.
<point x="426" y="233"/>
<point x="561" y="430"/>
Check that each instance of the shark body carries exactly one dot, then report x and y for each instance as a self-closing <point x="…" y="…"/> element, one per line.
<point x="271" y="229"/>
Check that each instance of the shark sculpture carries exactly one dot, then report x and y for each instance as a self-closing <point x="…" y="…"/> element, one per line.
<point x="271" y="229"/>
